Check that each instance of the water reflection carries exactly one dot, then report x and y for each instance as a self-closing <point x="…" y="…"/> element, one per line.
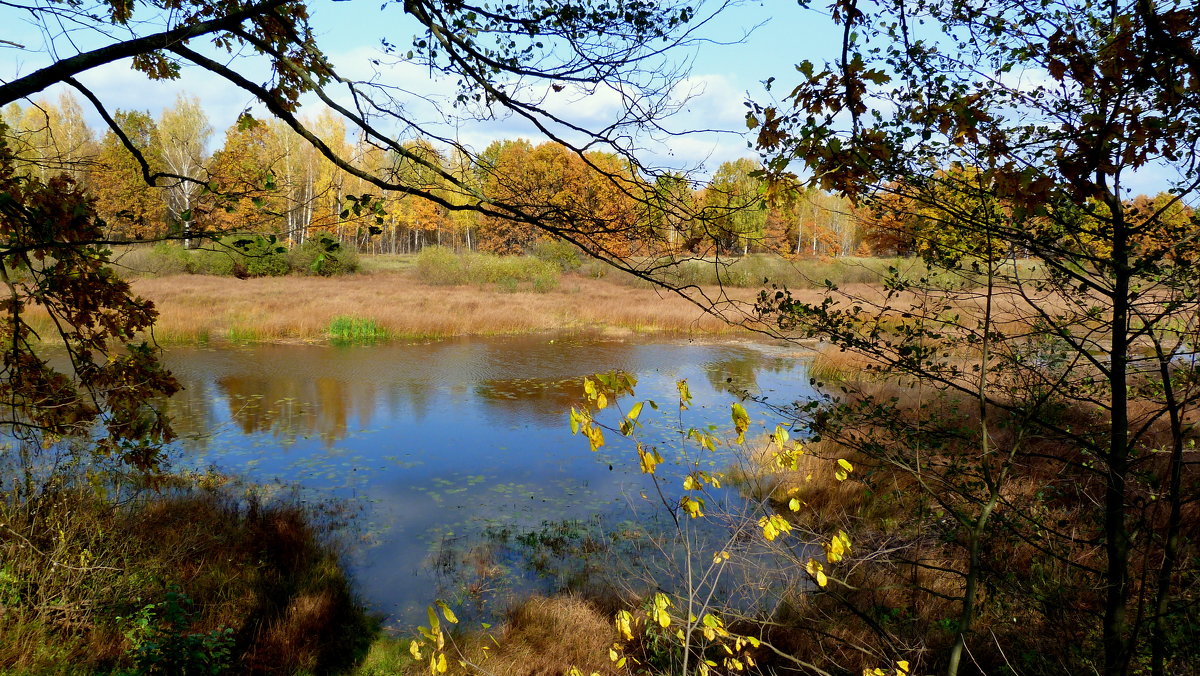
<point x="444" y="443"/>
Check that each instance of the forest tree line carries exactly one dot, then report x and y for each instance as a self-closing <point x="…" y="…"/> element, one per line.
<point x="266" y="179"/>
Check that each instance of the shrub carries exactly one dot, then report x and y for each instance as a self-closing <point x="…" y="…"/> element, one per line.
<point x="437" y="265"/>
<point x="325" y="256"/>
<point x="565" y="256"/>
<point x="259" y="256"/>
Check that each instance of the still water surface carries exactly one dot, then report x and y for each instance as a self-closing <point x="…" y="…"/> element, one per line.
<point x="437" y="446"/>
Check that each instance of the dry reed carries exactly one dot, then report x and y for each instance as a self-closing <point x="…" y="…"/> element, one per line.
<point x="202" y="308"/>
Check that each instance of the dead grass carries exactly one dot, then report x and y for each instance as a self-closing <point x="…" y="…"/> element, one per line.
<point x="195" y="308"/>
<point x="541" y="636"/>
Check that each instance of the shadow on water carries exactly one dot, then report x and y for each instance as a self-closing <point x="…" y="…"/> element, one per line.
<point x="472" y="486"/>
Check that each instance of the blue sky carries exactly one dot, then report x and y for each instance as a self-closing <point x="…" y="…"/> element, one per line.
<point x="722" y="76"/>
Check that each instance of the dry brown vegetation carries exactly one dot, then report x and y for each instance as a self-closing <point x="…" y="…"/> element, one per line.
<point x="196" y="308"/>
<point x="900" y="594"/>
<point x="540" y="637"/>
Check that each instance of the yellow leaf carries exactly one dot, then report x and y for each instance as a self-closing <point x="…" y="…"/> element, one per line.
<point x="840" y="475"/>
<point x="773" y="526"/>
<point x="689" y="484"/>
<point x="741" y="421"/>
<point x="612" y="655"/>
<point x="634" y="411"/>
<point x="595" y="436"/>
<point x="693" y="507"/>
<point x="794" y="505"/>
<point x="441" y="663"/>
<point x="449" y="614"/>
<point x="720" y="557"/>
<point x="414" y="647"/>
<point x="649" y="459"/>
<point x="685" y="395"/>
<point x="903" y="665"/>
<point x="624" y="620"/>
<point x="846" y="464"/>
<point x="781" y="436"/>
<point x="838" y="547"/>
<point x="601" y="401"/>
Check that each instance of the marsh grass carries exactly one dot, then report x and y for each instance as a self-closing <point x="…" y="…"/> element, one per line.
<point x="540" y="635"/>
<point x="345" y="330"/>
<point x="199" y="308"/>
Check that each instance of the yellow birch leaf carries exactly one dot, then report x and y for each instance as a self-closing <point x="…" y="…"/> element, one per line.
<point x="624" y="620"/>
<point x="449" y="614"/>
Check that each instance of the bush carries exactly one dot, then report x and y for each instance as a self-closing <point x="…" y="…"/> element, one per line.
<point x="437" y="265"/>
<point x="565" y="256"/>
<point x="324" y="256"/>
<point x="259" y="256"/>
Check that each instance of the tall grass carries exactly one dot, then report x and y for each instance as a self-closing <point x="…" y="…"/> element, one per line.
<point x="345" y="330"/>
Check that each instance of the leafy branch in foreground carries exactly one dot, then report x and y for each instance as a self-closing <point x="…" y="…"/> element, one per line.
<point x="53" y="261"/>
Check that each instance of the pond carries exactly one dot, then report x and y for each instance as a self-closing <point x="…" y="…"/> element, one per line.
<point x="455" y="454"/>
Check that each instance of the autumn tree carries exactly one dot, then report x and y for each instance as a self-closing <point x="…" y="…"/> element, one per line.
<point x="131" y="209"/>
<point x="183" y="135"/>
<point x="48" y="138"/>
<point x="735" y="208"/>
<point x="1019" y="129"/>
<point x="54" y="257"/>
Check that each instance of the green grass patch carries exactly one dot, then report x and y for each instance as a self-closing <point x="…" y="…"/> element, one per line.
<point x="355" y="331"/>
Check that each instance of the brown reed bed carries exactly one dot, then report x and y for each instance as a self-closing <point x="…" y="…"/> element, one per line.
<point x="198" y="308"/>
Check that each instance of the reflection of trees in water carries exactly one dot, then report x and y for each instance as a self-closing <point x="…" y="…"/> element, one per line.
<point x="191" y="412"/>
<point x="510" y="399"/>
<point x="739" y="372"/>
<point x="289" y="407"/>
